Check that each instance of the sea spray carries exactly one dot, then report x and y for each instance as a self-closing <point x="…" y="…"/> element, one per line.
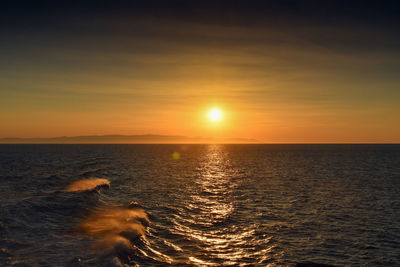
<point x="115" y="228"/>
<point x="88" y="184"/>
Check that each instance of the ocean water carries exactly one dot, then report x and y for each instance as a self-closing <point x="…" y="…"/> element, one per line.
<point x="199" y="205"/>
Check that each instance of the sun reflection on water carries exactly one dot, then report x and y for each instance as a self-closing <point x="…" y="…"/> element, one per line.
<point x="208" y="211"/>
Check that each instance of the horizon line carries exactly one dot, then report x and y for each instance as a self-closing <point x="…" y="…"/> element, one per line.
<point x="206" y="143"/>
<point x="164" y="139"/>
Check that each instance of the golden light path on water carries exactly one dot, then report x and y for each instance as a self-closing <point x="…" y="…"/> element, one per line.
<point x="210" y="206"/>
<point x="209" y="222"/>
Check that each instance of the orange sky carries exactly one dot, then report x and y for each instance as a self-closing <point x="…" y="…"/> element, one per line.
<point x="281" y="80"/>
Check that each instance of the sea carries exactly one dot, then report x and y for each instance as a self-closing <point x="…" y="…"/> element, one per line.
<point x="200" y="205"/>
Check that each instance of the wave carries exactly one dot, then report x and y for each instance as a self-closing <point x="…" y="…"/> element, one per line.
<point x="116" y="230"/>
<point x="91" y="171"/>
<point x="88" y="184"/>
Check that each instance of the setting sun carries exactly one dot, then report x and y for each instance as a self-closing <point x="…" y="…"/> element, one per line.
<point x="215" y="115"/>
<point x="200" y="133"/>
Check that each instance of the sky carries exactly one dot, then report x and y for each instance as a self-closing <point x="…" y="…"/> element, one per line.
<point x="279" y="71"/>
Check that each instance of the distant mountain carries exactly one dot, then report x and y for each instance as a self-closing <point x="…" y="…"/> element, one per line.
<point x="122" y="139"/>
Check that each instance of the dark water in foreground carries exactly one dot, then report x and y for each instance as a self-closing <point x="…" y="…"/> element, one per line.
<point x="248" y="205"/>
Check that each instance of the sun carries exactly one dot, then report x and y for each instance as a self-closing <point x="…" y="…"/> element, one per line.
<point x="215" y="114"/>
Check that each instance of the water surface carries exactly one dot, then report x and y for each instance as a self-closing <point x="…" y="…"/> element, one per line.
<point x="198" y="205"/>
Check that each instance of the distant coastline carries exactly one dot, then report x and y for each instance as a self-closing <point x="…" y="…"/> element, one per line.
<point x="124" y="139"/>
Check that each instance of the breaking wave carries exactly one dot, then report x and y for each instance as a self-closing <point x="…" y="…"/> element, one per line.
<point x="113" y="227"/>
<point x="88" y="184"/>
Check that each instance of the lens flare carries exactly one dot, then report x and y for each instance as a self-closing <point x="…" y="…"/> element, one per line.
<point x="176" y="155"/>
